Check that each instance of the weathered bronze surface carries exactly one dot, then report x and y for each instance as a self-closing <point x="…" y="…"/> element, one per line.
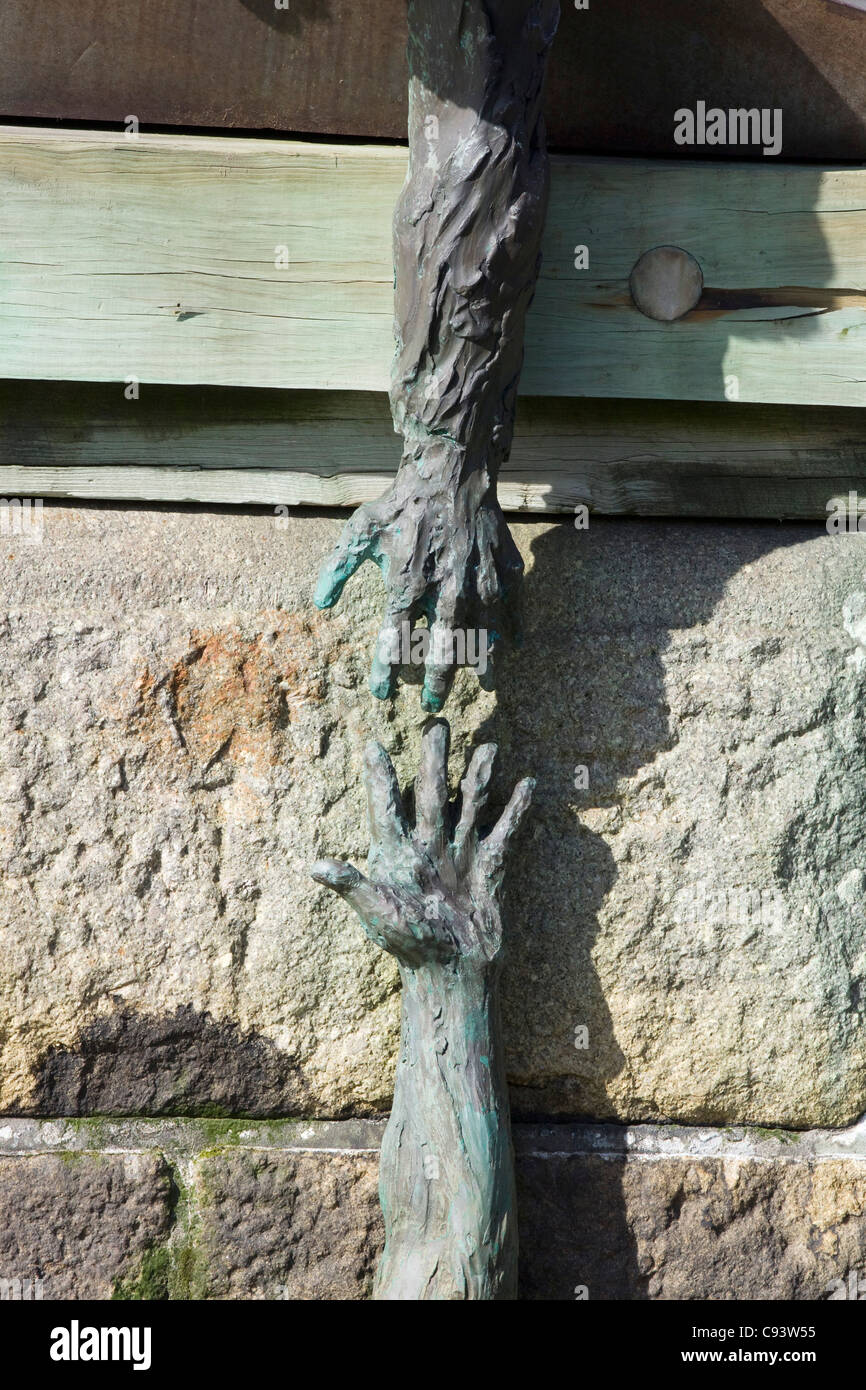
<point x="467" y="237"/>
<point x="432" y="899"/>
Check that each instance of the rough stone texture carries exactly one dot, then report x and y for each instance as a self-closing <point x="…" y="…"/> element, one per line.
<point x="683" y="1229"/>
<point x="289" y="1226"/>
<point x="182" y="736"/>
<point x="79" y="1221"/>
<point x="757" y="1220"/>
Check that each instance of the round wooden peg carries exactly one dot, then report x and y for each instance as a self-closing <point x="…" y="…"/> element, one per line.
<point x="666" y="283"/>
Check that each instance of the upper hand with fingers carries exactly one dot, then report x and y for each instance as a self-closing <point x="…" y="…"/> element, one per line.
<point x="446" y="557"/>
<point x="433" y="890"/>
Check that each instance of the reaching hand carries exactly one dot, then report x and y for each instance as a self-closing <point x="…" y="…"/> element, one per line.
<point x="447" y="556"/>
<point x="433" y="890"/>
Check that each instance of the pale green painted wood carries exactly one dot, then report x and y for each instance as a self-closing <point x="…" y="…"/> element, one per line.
<point x="320" y="448"/>
<point x="101" y="238"/>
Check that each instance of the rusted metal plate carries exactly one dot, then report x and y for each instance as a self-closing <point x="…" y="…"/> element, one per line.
<point x="619" y="70"/>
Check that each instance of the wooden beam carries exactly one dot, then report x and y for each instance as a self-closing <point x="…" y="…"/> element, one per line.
<point x="339" y="68"/>
<point x="207" y="445"/>
<point x="159" y="259"/>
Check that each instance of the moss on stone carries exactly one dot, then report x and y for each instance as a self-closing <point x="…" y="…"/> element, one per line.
<point x="189" y="1274"/>
<point x="93" y="1127"/>
<point x="151" y="1281"/>
<point x="176" y="1270"/>
<point x="173" y="1272"/>
<point x="219" y="1134"/>
<point x="210" y="1111"/>
<point x="783" y="1136"/>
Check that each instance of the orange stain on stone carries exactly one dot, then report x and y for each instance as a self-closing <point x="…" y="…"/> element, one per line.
<point x="231" y="695"/>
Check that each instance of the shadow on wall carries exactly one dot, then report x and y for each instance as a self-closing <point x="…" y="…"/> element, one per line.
<point x="179" y="1063"/>
<point x="575" y="1240"/>
<point x="598" y="699"/>
<point x="635" y="68"/>
<point x="764" y="289"/>
<point x="598" y="647"/>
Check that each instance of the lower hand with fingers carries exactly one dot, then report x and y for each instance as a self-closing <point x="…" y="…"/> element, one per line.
<point x="431" y="897"/>
<point x="433" y="889"/>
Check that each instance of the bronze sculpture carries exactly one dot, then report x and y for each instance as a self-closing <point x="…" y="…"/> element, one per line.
<point x="467" y="238"/>
<point x="467" y="235"/>
<point x="446" y="1177"/>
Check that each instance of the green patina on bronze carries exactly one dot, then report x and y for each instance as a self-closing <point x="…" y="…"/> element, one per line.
<point x="467" y="238"/>
<point x="431" y="898"/>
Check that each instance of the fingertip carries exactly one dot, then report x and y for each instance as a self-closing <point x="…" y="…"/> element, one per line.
<point x="479" y="768"/>
<point x="380" y="687"/>
<point x="335" y="874"/>
<point x="435" y="729"/>
<point x="431" y="700"/>
<point x="382" y="679"/>
<point x="376" y="758"/>
<point x="328" y="590"/>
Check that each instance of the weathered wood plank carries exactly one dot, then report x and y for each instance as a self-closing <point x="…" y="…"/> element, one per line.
<point x="338" y="68"/>
<point x="651" y="458"/>
<point x="155" y="259"/>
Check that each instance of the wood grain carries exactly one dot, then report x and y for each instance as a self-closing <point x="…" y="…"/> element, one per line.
<point x="335" y="67"/>
<point x="155" y="258"/>
<point x="314" y="448"/>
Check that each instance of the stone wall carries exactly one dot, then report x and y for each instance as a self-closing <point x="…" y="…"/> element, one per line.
<point x="221" y="1209"/>
<point x="181" y="738"/>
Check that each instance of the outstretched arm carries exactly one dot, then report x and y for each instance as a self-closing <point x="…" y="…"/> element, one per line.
<point x="431" y="898"/>
<point x="467" y="236"/>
